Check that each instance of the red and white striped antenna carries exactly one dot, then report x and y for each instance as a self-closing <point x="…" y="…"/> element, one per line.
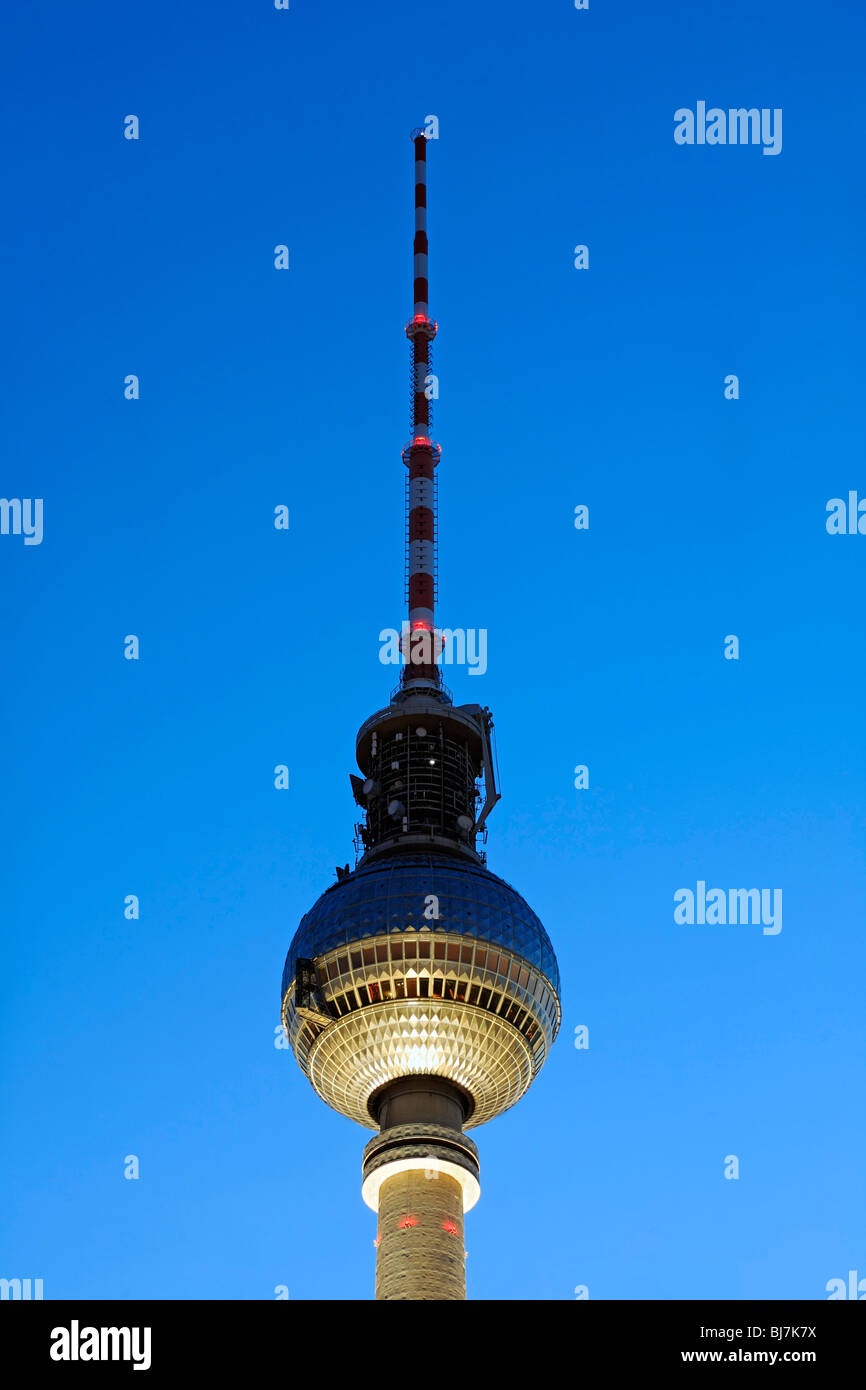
<point x="421" y="456"/>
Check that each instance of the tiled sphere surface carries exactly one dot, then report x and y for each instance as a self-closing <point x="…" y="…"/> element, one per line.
<point x="389" y="895"/>
<point x="428" y="965"/>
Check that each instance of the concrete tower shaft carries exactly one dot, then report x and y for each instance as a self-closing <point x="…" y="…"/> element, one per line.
<point x="421" y="1174"/>
<point x="421" y="1251"/>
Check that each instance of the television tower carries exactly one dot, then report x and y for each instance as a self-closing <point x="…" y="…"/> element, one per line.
<point x="421" y="993"/>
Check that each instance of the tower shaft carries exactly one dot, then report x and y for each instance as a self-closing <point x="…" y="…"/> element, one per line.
<point x="421" y="1175"/>
<point x="421" y="1253"/>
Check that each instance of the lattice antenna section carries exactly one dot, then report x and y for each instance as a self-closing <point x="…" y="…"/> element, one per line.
<point x="421" y="457"/>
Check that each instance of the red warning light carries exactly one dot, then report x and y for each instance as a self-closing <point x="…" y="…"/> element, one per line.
<point x="450" y="1227"/>
<point x="406" y="1221"/>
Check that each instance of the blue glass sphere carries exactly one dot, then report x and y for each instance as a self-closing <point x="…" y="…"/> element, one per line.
<point x="388" y="895"/>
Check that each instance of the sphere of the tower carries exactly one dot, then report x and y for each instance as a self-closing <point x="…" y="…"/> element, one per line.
<point x="423" y="964"/>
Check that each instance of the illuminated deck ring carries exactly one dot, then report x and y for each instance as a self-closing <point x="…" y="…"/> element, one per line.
<point x="372" y="1184"/>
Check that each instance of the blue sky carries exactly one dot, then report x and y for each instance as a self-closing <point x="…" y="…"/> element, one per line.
<point x="558" y="387"/>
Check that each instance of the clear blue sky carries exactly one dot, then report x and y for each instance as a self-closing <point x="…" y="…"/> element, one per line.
<point x="707" y="517"/>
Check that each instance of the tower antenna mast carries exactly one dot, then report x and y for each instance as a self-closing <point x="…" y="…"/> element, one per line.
<point x="421" y="456"/>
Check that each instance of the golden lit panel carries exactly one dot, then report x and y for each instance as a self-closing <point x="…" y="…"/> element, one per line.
<point x="360" y="1052"/>
<point x="422" y="974"/>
